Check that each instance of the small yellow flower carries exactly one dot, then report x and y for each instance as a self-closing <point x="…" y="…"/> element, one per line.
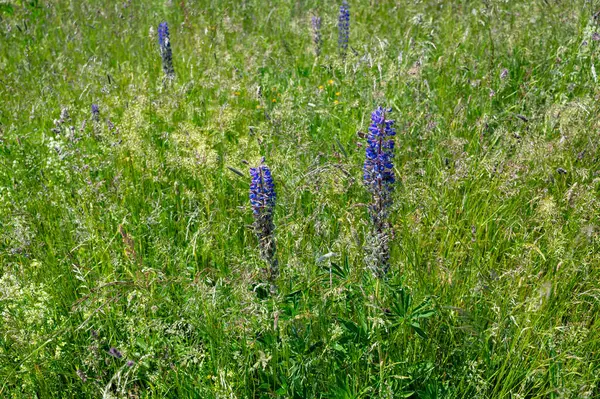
<point x="274" y="100"/>
<point x="336" y="102"/>
<point x="337" y="93"/>
<point x="321" y="87"/>
<point x="237" y="93"/>
<point x="330" y="82"/>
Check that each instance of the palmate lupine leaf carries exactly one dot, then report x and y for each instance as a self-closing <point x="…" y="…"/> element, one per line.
<point x="404" y="313"/>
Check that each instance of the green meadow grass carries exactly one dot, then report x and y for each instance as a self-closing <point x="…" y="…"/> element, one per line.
<point x="134" y="232"/>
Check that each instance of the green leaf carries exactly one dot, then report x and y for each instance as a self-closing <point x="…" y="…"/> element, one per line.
<point x="417" y="327"/>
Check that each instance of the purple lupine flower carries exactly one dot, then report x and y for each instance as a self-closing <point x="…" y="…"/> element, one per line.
<point x="378" y="173"/>
<point x="163" y="33"/>
<point x="316" y="30"/>
<point x="114" y="352"/>
<point x="95" y="113"/>
<point x="262" y="190"/>
<point x="344" y="28"/>
<point x="379" y="178"/>
<point x="262" y="200"/>
<point x="165" y="50"/>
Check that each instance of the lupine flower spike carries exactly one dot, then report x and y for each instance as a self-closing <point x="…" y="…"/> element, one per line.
<point x="379" y="179"/>
<point x="95" y="113"/>
<point x="165" y="50"/>
<point x="262" y="200"/>
<point x="316" y="30"/>
<point x="344" y="28"/>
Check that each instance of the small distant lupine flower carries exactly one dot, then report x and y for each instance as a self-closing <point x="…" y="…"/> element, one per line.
<point x="165" y="49"/>
<point x="130" y="363"/>
<point x="379" y="178"/>
<point x="504" y="74"/>
<point x="95" y="113"/>
<point x="82" y="375"/>
<point x="262" y="200"/>
<point x="344" y="27"/>
<point x="114" y="352"/>
<point x="64" y="115"/>
<point x="59" y="123"/>
<point x="316" y="30"/>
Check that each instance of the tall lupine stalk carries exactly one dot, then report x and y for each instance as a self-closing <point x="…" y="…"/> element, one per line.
<point x="262" y="200"/>
<point x="165" y="50"/>
<point x="344" y="28"/>
<point x="316" y="31"/>
<point x="379" y="179"/>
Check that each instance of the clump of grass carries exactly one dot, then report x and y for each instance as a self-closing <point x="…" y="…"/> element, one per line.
<point x="128" y="268"/>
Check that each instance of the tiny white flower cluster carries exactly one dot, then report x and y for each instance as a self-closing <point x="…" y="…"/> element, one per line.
<point x="25" y="311"/>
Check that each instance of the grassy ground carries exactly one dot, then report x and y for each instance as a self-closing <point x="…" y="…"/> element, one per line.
<point x="128" y="265"/>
